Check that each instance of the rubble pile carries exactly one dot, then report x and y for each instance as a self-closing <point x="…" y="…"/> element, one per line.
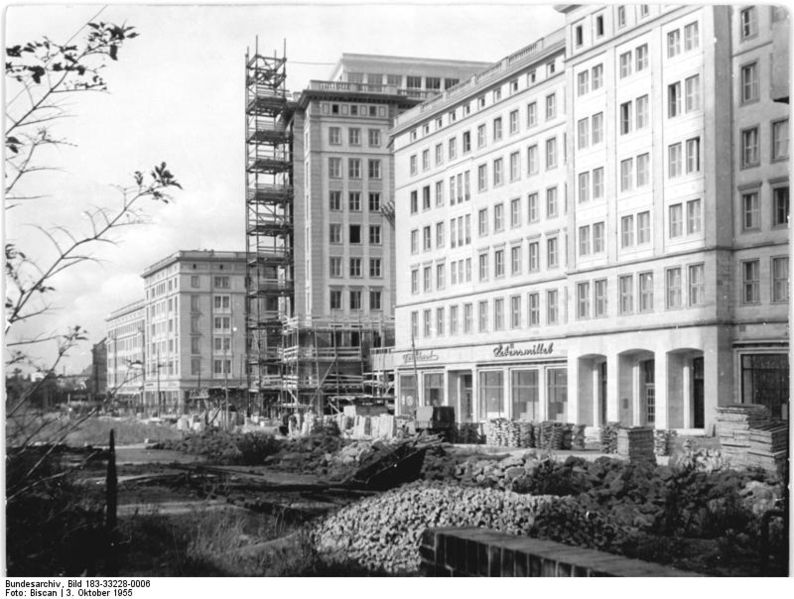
<point x="383" y="533"/>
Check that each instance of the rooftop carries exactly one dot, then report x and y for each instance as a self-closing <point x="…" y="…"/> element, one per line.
<point x="202" y="255"/>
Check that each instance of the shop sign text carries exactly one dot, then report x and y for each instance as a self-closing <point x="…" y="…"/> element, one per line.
<point x="509" y="350"/>
<point x="420" y="356"/>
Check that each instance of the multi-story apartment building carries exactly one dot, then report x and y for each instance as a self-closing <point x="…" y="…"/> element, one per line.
<point x="666" y="293"/>
<point x="185" y="339"/>
<point x="124" y="353"/>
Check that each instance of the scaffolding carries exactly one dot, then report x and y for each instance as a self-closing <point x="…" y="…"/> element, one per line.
<point x="269" y="224"/>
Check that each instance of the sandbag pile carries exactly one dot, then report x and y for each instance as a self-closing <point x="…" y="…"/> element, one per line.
<point x="383" y="533"/>
<point x="637" y="444"/>
<point x="733" y="429"/>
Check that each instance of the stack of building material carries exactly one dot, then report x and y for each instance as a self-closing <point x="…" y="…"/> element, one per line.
<point x="513" y="434"/>
<point x="609" y="437"/>
<point x="578" y="440"/>
<point x="768" y="446"/>
<point x="592" y="437"/>
<point x="552" y="435"/>
<point x="566" y="441"/>
<point x="525" y="436"/>
<point x="496" y="432"/>
<point x="733" y="429"/>
<point x="637" y="444"/>
<point x="663" y="441"/>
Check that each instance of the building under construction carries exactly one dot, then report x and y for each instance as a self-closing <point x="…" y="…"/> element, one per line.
<point x="319" y="230"/>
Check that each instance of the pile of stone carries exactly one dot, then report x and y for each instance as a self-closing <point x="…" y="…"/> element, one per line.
<point x="526" y="434"/>
<point x="637" y="444"/>
<point x="733" y="429"/>
<point x="663" y="441"/>
<point x="609" y="437"/>
<point x="768" y="446"/>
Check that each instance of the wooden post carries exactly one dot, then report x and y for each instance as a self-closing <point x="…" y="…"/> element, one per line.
<point x="111" y="501"/>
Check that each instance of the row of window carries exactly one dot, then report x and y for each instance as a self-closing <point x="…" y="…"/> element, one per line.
<point x="353" y="201"/>
<point x="353" y="109"/>
<point x="751" y="142"/>
<point x="354" y="136"/>
<point x="355" y="299"/>
<point x="751" y="280"/>
<point x="751" y="212"/>
<point x="354" y="166"/>
<point x="459" y="191"/>
<point x="354" y="234"/>
<point x="355" y="271"/>
<point x="459" y="234"/>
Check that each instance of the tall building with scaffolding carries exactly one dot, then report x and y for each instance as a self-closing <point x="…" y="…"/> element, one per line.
<point x="320" y="236"/>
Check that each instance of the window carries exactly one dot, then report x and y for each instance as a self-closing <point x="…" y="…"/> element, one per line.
<point x="551" y="153"/>
<point x="414" y="324"/>
<point x="354" y="136"/>
<point x="515" y="260"/>
<point x="427" y="279"/>
<point x="696" y="284"/>
<point x="354" y="201"/>
<point x="440" y="234"/>
<point x="498" y="314"/>
<point x="673" y="287"/>
<point x="693" y="155"/>
<point x="482" y="177"/>
<point x="534" y="256"/>
<point x="676" y="225"/>
<point x="673" y="43"/>
<point x="497" y="172"/>
<point x="498" y="218"/>
<point x="335" y="233"/>
<point x="693" y="217"/>
<point x="466" y="142"/>
<point x="551" y="202"/>
<point x="584" y="186"/>
<point x="483" y="267"/>
<point x="426" y="197"/>
<point x="222" y="323"/>
<point x="374" y="235"/>
<point x="598" y="183"/>
<point x="583" y="131"/>
<point x="551" y="252"/>
<point x="481" y="136"/>
<point x="375" y="270"/>
<point x="415" y="281"/>
<point x="335" y="267"/>
<point x="643" y="227"/>
<point x="750" y="147"/>
<point x="221" y="282"/>
<point x="533" y="309"/>
<point x="748" y="22"/>
<point x="692" y="91"/>
<point x="579" y="35"/>
<point x="532" y="160"/>
<point x="751" y="282"/>
<point x="551" y="306"/>
<point x="482" y="312"/>
<point x="335" y="200"/>
<point x="641" y="57"/>
<point x="627" y="231"/>
<point x="497" y="94"/>
<point x="374" y="169"/>
<point x="452" y="196"/>
<point x="643" y="170"/>
<point x="551" y="106"/>
<point x="453" y="320"/>
<point x="414" y="202"/>
<point x="532" y="115"/>
<point x="374" y="138"/>
<point x="497" y="128"/>
<point x="626" y="170"/>
<point x="583" y="83"/>
<point x="600" y="298"/>
<point x="335" y="136"/>
<point x="598" y="128"/>
<point x="355" y="268"/>
<point x="515" y="212"/>
<point x="355" y="300"/>
<point x="625" y="118"/>
<point x="467" y="316"/>
<point x="355" y="233"/>
<point x="491" y="395"/>
<point x="452" y="148"/>
<point x="513" y="122"/>
<point x="335" y="168"/>
<point x="691" y="36"/>
<point x="780" y="205"/>
<point x="414" y="241"/>
<point x="482" y="220"/>
<point x="515" y="171"/>
<point x="641" y="112"/>
<point x="646" y="292"/>
<point x="621" y="16"/>
<point x="780" y="284"/>
<point x="426" y="159"/>
<point x="626" y="290"/>
<point x="498" y="263"/>
<point x="599" y="25"/>
<point x="598" y="237"/>
<point x="780" y="140"/>
<point x="625" y="64"/>
<point x="354" y="168"/>
<point x="426" y="239"/>
<point x="674" y="160"/>
<point x="375" y="300"/>
<point x="412" y="161"/>
<point x="749" y="81"/>
<point x="674" y="99"/>
<point x="194" y="281"/>
<point x="750" y="214"/>
<point x="440" y="269"/>
<point x="597" y="77"/>
<point x="374" y="201"/>
<point x="582" y="300"/>
<point x="533" y="210"/>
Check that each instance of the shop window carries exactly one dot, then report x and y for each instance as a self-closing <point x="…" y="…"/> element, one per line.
<point x="408" y="399"/>
<point x="765" y="380"/>
<point x="557" y="394"/>
<point x="434" y="389"/>
<point x="491" y="394"/>
<point x="524" y="391"/>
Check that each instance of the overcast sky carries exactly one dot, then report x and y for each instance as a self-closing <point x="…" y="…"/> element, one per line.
<point x="176" y="95"/>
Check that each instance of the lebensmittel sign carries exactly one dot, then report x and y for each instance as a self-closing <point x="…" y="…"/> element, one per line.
<point x="500" y="352"/>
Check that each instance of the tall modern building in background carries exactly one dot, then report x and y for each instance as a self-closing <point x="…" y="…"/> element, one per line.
<point x="619" y="250"/>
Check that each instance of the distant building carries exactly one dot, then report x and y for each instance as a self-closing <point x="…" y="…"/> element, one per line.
<point x="98" y="370"/>
<point x="125" y="355"/>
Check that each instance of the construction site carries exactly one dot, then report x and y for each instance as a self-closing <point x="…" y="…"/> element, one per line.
<point x="295" y="362"/>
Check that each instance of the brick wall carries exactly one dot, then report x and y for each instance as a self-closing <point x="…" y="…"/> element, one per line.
<point x="483" y="552"/>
